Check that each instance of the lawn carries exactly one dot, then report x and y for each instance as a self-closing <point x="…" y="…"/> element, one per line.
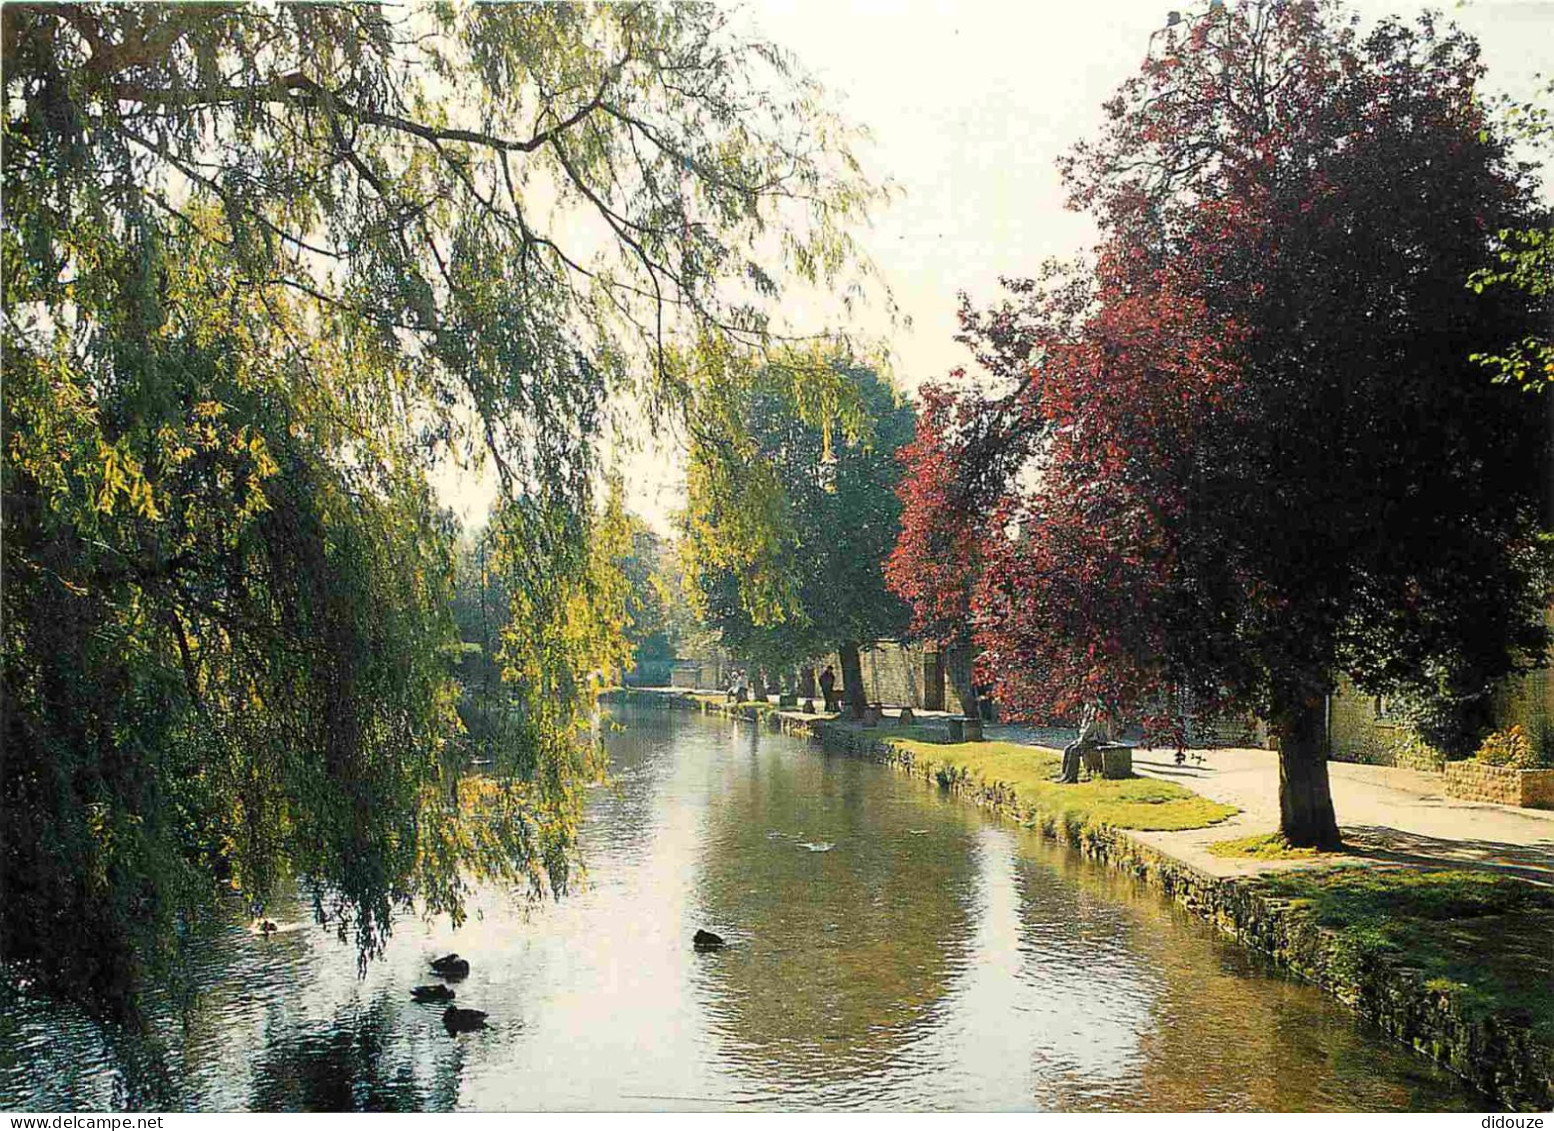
<point x="1264" y="846"/>
<point x="1130" y="803"/>
<point x="1485" y="938"/>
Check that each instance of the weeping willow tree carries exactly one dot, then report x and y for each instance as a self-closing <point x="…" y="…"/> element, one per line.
<point x="265" y="270"/>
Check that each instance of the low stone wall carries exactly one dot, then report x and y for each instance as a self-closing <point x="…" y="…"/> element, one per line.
<point x="651" y="673"/>
<point x="1470" y="780"/>
<point x="685" y="675"/>
<point x="1500" y="1058"/>
<point x="1418" y="756"/>
<point x="771" y="719"/>
<point x="1362" y="729"/>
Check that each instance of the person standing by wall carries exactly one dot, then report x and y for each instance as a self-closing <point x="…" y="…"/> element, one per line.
<point x="828" y="687"/>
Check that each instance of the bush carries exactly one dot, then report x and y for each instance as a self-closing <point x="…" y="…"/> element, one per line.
<point x="1511" y="748"/>
<point x="1447" y="719"/>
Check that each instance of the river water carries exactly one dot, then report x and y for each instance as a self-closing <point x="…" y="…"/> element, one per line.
<point x="890" y="947"/>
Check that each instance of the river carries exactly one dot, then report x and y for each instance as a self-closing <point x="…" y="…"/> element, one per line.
<point x="890" y="947"/>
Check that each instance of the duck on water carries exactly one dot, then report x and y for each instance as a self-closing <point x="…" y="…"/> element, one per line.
<point x="457" y="1020"/>
<point x="451" y="967"/>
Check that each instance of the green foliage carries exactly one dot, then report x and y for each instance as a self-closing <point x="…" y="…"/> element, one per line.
<point x="264" y="268"/>
<point x="1410" y="750"/>
<point x="791" y="510"/>
<point x="1525" y="259"/>
<point x="562" y="633"/>
<point x="223" y="645"/>
<point x="480" y="603"/>
<point x="650" y="573"/>
<point x="543" y="604"/>
<point x="1448" y="711"/>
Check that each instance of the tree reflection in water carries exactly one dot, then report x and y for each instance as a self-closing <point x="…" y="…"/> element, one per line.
<point x="358" y="1060"/>
<point x="840" y="956"/>
<point x="1224" y="1028"/>
<point x="931" y="957"/>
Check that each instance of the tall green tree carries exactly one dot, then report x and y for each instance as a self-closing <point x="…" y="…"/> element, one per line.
<point x="790" y="518"/>
<point x="264" y="268"/>
<point x="649" y="573"/>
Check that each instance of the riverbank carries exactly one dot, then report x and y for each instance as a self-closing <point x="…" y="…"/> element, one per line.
<point x="1445" y="960"/>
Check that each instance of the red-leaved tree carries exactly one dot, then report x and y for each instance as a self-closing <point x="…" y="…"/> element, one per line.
<point x="1267" y="457"/>
<point x="1089" y="579"/>
<point x="971" y="440"/>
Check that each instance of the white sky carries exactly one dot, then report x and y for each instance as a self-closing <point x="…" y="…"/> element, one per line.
<point x="969" y="105"/>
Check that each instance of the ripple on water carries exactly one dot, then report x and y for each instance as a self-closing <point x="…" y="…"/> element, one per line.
<point x="890" y="948"/>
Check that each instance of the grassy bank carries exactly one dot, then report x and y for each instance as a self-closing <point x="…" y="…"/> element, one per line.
<point x="1481" y="938"/>
<point x="1129" y="803"/>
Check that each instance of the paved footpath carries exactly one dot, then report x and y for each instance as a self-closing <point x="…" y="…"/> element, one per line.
<point x="1388" y="815"/>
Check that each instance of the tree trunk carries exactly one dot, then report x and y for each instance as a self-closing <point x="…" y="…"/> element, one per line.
<point x="1305" y="797"/>
<point x="807" y="682"/>
<point x="852" y="679"/>
<point x="933" y="679"/>
<point x="757" y="685"/>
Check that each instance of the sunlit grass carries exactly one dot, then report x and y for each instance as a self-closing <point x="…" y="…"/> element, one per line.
<point x="1129" y="803"/>
<point x="1264" y="846"/>
<point x="1482" y="938"/>
<point x="921" y="732"/>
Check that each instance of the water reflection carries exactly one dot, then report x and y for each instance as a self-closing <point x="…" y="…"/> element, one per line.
<point x="1199" y="1024"/>
<point x="357" y="1061"/>
<point x="849" y="919"/>
<point x="891" y="948"/>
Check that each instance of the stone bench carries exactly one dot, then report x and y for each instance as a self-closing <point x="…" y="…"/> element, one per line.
<point x="964" y="728"/>
<point x="1116" y="760"/>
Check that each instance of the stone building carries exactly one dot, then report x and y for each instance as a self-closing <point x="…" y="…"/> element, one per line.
<point x="1369" y="728"/>
<point x="894" y="673"/>
<point x="898" y="674"/>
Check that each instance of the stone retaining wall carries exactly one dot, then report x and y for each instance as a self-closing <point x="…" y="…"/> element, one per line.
<point x="1502" y="1059"/>
<point x="898" y="675"/>
<point x="1471" y="780"/>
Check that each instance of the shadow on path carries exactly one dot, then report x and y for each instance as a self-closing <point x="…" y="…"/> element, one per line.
<point x="1529" y="861"/>
<point x="1171" y="769"/>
